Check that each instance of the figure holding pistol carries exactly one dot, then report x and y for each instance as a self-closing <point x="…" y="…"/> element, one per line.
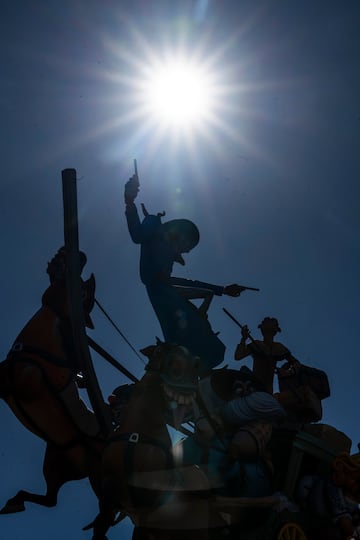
<point x="163" y="244"/>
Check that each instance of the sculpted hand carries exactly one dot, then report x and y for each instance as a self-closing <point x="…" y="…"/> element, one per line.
<point x="131" y="189"/>
<point x="233" y="290"/>
<point x="245" y="332"/>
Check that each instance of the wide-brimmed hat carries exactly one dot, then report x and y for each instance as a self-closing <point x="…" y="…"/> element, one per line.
<point x="183" y="230"/>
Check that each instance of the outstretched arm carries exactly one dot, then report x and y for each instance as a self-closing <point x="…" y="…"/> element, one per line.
<point x="201" y="286"/>
<point x="195" y="289"/>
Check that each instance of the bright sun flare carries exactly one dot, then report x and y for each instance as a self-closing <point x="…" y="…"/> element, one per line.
<point x="178" y="93"/>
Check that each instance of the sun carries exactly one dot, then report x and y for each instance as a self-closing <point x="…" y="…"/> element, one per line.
<point x="166" y="93"/>
<point x="178" y="93"/>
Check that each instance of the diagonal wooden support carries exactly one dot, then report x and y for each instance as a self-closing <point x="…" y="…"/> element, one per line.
<point x="73" y="283"/>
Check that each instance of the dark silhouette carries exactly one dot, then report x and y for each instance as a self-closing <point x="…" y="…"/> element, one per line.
<point x="265" y="353"/>
<point x="39" y="385"/>
<point x="163" y="244"/>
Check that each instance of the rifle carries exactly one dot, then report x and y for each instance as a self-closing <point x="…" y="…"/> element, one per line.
<point x="245" y="289"/>
<point x="235" y="320"/>
<point x="241" y="326"/>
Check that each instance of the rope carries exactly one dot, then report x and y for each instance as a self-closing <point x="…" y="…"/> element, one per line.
<point x="119" y="331"/>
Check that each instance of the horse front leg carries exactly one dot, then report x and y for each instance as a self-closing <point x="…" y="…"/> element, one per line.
<point x="17" y="503"/>
<point x="108" y="509"/>
<point x="103" y="521"/>
<point x="57" y="470"/>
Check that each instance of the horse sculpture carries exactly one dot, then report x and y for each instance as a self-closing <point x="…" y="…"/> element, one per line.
<point x="38" y="383"/>
<point x="169" y="492"/>
<point x="139" y="477"/>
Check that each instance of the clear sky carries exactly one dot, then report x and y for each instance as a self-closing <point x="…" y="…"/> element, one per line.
<point x="272" y="181"/>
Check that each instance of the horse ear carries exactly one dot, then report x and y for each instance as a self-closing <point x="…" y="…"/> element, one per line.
<point x="158" y="341"/>
<point x="148" y="351"/>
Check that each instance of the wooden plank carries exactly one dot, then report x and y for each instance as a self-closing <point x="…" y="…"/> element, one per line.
<point x="73" y="283"/>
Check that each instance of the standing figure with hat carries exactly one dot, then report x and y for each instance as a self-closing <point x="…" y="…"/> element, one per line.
<point x="265" y="353"/>
<point x="163" y="244"/>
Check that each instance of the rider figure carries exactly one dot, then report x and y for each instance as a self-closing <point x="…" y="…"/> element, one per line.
<point x="43" y="353"/>
<point x="55" y="297"/>
<point x="232" y="409"/>
<point x="162" y="244"/>
<point x="265" y="353"/>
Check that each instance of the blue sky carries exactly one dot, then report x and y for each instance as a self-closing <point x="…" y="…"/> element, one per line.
<point x="273" y="185"/>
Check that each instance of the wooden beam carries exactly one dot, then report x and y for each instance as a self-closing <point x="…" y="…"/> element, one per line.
<point x="73" y="284"/>
<point x="107" y="356"/>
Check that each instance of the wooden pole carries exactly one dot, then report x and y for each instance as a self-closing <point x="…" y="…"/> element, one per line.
<point x="73" y="285"/>
<point x="107" y="356"/>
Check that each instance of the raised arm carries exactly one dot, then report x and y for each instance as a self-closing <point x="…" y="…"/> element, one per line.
<point x="242" y="350"/>
<point x="132" y="216"/>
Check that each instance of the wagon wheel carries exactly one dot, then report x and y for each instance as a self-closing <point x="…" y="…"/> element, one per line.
<point x="291" y="531"/>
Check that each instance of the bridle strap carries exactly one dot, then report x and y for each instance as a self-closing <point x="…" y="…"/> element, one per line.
<point x="20" y="348"/>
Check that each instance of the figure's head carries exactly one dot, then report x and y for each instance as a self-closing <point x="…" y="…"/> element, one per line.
<point x="183" y="234"/>
<point x="177" y="367"/>
<point x="178" y="371"/>
<point x="269" y="326"/>
<point x="56" y="267"/>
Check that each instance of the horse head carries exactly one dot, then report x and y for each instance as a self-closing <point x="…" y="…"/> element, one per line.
<point x="178" y="372"/>
<point x="138" y="462"/>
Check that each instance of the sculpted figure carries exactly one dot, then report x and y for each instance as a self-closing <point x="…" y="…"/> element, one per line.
<point x="42" y="357"/>
<point x="235" y="403"/>
<point x="163" y="244"/>
<point x="265" y="353"/>
<point x="38" y="383"/>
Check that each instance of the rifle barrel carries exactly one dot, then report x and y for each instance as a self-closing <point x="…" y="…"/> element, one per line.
<point x="242" y="326"/>
<point x="232" y="317"/>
